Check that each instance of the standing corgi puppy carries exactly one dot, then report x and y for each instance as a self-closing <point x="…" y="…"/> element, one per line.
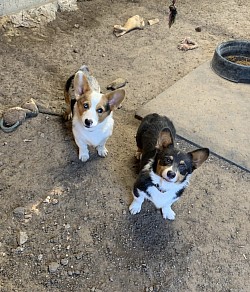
<point x="91" y="112"/>
<point x="165" y="170"/>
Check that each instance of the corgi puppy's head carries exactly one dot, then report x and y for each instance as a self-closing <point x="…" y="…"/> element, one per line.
<point x="92" y="106"/>
<point x="172" y="164"/>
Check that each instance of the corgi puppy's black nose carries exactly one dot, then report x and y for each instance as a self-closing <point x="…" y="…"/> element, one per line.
<point x="88" y="122"/>
<point x="171" y="174"/>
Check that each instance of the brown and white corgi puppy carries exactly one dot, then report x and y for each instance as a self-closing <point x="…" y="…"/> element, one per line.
<point x="91" y="111"/>
<point x="165" y="170"/>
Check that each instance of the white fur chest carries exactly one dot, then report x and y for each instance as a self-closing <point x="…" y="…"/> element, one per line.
<point x="93" y="136"/>
<point x="166" y="192"/>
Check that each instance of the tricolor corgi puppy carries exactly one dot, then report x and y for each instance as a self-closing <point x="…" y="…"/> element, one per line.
<point x="91" y="112"/>
<point x="165" y="170"/>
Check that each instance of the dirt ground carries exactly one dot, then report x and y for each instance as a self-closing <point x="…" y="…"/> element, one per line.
<point x="79" y="233"/>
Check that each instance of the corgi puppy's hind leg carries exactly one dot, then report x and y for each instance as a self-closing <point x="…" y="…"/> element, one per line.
<point x="138" y="153"/>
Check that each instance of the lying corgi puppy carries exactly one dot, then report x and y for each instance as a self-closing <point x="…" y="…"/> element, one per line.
<point x="91" y="112"/>
<point x="165" y="170"/>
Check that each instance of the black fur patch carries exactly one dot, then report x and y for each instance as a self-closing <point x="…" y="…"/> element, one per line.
<point x="69" y="82"/>
<point x="143" y="182"/>
<point x="107" y="107"/>
<point x="148" y="133"/>
<point x="180" y="192"/>
<point x="72" y="103"/>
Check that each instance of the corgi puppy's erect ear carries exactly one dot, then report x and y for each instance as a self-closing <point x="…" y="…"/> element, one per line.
<point x="81" y="84"/>
<point x="165" y="139"/>
<point x="199" y="156"/>
<point x="115" y="98"/>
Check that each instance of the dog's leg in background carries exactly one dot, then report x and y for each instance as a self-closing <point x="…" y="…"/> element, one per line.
<point x="138" y="153"/>
<point x="135" y="206"/>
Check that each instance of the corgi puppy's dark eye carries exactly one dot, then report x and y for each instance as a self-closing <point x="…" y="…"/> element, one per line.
<point x="85" y="105"/>
<point x="100" y="110"/>
<point x="168" y="161"/>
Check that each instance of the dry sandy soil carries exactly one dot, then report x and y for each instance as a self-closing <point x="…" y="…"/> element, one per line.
<point x="81" y="236"/>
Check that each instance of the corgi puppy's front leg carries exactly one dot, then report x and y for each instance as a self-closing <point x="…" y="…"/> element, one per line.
<point x="83" y="147"/>
<point x="102" y="150"/>
<point x="168" y="213"/>
<point x="135" y="206"/>
<point x="83" y="153"/>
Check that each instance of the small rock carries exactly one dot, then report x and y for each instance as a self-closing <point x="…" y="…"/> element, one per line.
<point x="19" y="212"/>
<point x="70" y="273"/>
<point x="79" y="255"/>
<point x="58" y="191"/>
<point x="77" y="273"/>
<point x="22" y="237"/>
<point x="47" y="200"/>
<point x="53" y="267"/>
<point x="76" y="25"/>
<point x="117" y="83"/>
<point x="19" y="249"/>
<point x="64" y="262"/>
<point x="40" y="257"/>
<point x="153" y="21"/>
<point x="54" y="201"/>
<point x="198" y="29"/>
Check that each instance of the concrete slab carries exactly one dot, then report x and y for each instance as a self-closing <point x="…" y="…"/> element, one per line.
<point x="208" y="111"/>
<point x="13" y="6"/>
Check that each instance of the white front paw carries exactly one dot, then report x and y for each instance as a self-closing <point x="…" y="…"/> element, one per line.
<point x="168" y="214"/>
<point x="83" y="156"/>
<point x="135" y="208"/>
<point x="102" y="151"/>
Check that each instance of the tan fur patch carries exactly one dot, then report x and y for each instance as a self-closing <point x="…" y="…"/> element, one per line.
<point x="84" y="104"/>
<point x="104" y="105"/>
<point x="83" y="101"/>
<point x="161" y="168"/>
